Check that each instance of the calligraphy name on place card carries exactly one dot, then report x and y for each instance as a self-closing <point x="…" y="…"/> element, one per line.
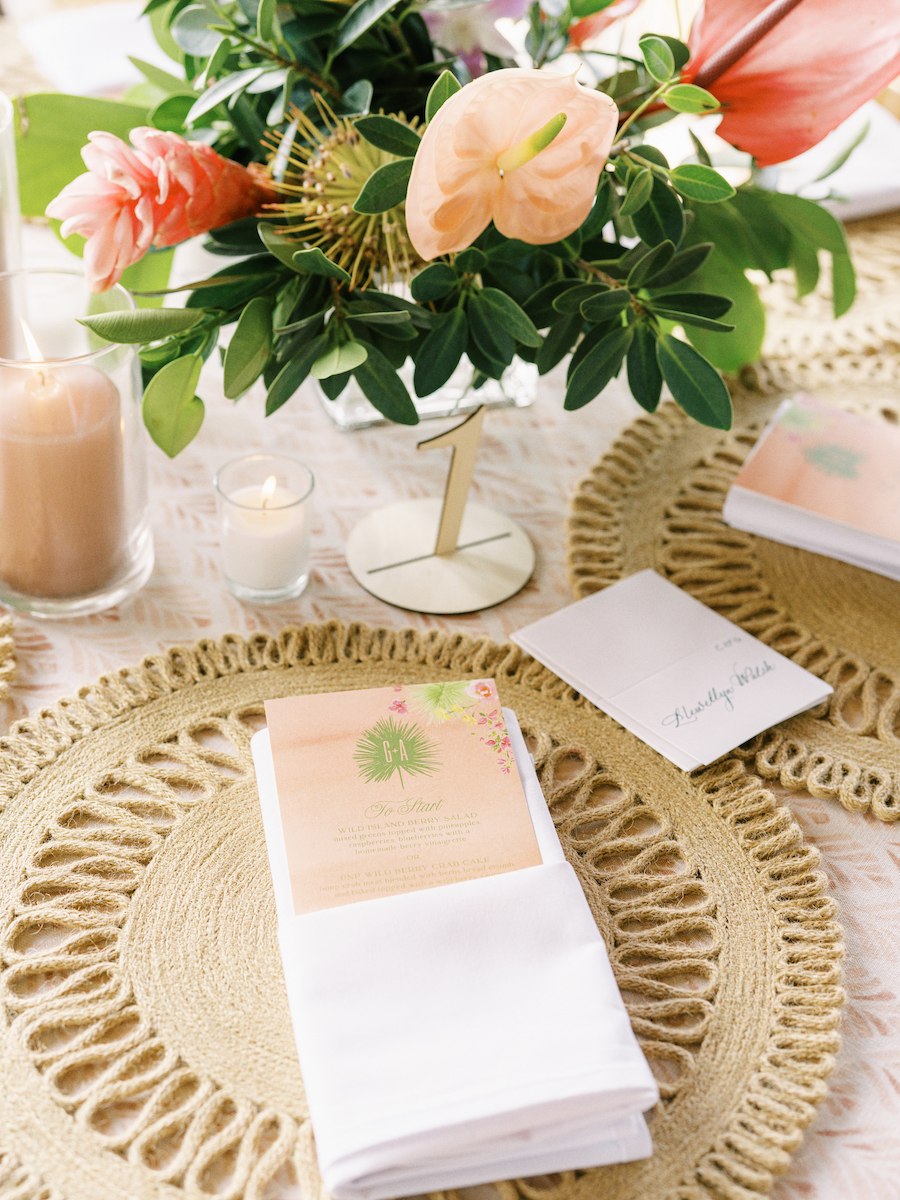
<point x="396" y="789"/>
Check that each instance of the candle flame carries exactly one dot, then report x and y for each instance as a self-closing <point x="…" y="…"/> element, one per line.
<point x="268" y="489"/>
<point x="34" y="350"/>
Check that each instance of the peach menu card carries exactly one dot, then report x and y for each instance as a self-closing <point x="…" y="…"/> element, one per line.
<point x="396" y="789"/>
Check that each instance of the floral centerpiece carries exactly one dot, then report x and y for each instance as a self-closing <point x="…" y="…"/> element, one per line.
<point x="333" y="151"/>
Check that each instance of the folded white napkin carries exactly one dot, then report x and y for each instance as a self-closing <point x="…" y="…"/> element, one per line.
<point x="461" y="1034"/>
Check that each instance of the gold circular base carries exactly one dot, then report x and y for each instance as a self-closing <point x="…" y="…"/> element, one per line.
<point x="391" y="554"/>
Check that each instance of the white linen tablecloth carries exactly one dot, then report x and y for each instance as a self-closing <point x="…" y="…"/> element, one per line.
<point x="528" y="465"/>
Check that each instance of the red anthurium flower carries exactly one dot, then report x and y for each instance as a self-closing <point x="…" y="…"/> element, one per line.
<point x="790" y="71"/>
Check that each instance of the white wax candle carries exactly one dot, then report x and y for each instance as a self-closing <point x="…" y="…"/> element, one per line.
<point x="265" y="538"/>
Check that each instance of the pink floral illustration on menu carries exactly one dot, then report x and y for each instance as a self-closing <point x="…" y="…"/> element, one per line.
<point x="476" y="704"/>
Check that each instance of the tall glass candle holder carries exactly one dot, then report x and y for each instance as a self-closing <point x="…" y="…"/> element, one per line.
<point x="74" y="519"/>
<point x="10" y="244"/>
<point x="265" y="511"/>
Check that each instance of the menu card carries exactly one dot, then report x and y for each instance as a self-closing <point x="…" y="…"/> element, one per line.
<point x="396" y="789"/>
<point x="681" y="677"/>
<point x="825" y="480"/>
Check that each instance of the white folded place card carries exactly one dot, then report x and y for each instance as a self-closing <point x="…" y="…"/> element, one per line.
<point x="458" y="1034"/>
<point x="685" y="680"/>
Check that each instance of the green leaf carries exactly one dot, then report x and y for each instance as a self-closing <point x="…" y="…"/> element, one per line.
<point x="638" y="193"/>
<point x="249" y="347"/>
<point x="217" y="61"/>
<point x="695" y="383"/>
<point x="810" y="221"/>
<point x="362" y="16"/>
<point x="385" y="188"/>
<point x="170" y="114"/>
<point x="170" y="84"/>
<point x="644" y="375"/>
<point x="597" y="368"/>
<point x="235" y="284"/>
<point x="334" y="384"/>
<point x="440" y="353"/>
<point x="293" y="373"/>
<point x="661" y="219"/>
<point x="221" y="90"/>
<point x="338" y="360"/>
<point x="48" y="145"/>
<point x="843" y="283"/>
<point x="701" y="183"/>
<point x="445" y="86"/>
<point x="161" y="18"/>
<point x="805" y="261"/>
<point x="539" y="308"/>
<point x="491" y="338"/>
<point x="658" y="57"/>
<point x="316" y="263"/>
<point x="283" y="248"/>
<point x="172" y="413"/>
<point x="570" y="300"/>
<point x="729" y="351"/>
<point x="587" y="8"/>
<point x="683" y="318"/>
<point x="603" y="210"/>
<point x="686" y="98"/>
<point x="471" y="261"/>
<point x="384" y="389"/>
<point x="680" y="52"/>
<point x="356" y="100"/>
<point x="606" y="305"/>
<point x="838" y="161"/>
<point x="191" y="31"/>
<point x="389" y="134"/>
<point x="504" y="310"/>
<point x="434" y="282"/>
<point x="700" y="304"/>
<point x="700" y="150"/>
<point x="266" y="20"/>
<point x="560" y="339"/>
<point x="681" y="266"/>
<point x="379" y="318"/>
<point x="653" y="263"/>
<point x="650" y="154"/>
<point x="142" y="324"/>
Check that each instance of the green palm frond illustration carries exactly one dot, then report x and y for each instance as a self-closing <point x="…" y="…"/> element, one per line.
<point x="395" y="746"/>
<point x="438" y="701"/>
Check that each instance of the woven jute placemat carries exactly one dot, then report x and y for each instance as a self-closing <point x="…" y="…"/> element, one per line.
<point x="146" y="1049"/>
<point x="655" y="500"/>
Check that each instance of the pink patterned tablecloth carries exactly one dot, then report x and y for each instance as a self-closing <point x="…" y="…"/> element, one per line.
<point x="528" y="465"/>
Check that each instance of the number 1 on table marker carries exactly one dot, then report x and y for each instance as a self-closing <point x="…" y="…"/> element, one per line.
<point x="464" y="439"/>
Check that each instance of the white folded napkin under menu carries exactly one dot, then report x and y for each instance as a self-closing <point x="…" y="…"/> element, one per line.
<point x="679" y="676"/>
<point x="455" y="1034"/>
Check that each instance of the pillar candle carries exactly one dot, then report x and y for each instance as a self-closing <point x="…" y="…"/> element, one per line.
<point x="62" y="487"/>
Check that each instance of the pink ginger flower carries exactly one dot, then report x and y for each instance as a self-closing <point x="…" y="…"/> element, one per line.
<point x="522" y="148"/>
<point x="159" y="193"/>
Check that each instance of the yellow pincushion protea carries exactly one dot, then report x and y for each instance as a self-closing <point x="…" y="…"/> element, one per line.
<point x="327" y="173"/>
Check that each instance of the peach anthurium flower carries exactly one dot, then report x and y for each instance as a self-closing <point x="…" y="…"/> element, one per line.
<point x="811" y="68"/>
<point x="161" y="192"/>
<point x="522" y="148"/>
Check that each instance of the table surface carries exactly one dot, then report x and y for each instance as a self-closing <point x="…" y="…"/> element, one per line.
<point x="528" y="466"/>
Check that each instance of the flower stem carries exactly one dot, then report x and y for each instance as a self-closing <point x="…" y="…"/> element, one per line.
<point x="632" y="117"/>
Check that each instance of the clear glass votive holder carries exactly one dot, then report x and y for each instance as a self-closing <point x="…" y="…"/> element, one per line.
<point x="74" y="517"/>
<point x="10" y="221"/>
<point x="265" y="510"/>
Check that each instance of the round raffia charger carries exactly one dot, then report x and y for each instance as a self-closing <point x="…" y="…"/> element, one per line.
<point x="655" y="500"/>
<point x="146" y="1048"/>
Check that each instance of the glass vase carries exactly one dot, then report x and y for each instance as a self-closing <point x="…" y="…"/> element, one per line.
<point x="74" y="520"/>
<point x="515" y="389"/>
<point x="10" y="244"/>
